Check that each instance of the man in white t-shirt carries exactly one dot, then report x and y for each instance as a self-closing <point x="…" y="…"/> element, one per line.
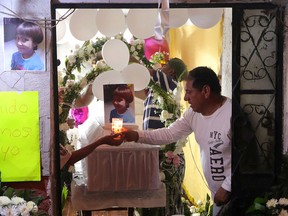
<point x="209" y="118"/>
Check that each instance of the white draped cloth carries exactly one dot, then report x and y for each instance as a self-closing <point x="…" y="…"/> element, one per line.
<point x="115" y="176"/>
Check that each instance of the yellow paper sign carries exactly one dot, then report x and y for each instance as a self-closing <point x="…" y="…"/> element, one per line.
<point x="19" y="137"/>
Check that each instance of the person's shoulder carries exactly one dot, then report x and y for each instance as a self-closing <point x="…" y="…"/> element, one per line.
<point x="188" y="112"/>
<point x="228" y="101"/>
<point x="36" y="55"/>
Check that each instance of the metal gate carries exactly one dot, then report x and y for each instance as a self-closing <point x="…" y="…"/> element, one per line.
<point x="257" y="103"/>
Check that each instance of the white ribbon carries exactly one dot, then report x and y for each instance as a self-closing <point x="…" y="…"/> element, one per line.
<point x="162" y="24"/>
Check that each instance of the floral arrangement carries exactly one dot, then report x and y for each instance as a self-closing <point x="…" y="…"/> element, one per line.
<point x="197" y="209"/>
<point x="158" y="59"/>
<point x="172" y="162"/>
<point x="17" y="206"/>
<point x="277" y="207"/>
<point x="21" y="202"/>
<point x="274" y="201"/>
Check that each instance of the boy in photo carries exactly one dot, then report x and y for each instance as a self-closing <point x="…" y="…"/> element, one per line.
<point x="28" y="36"/>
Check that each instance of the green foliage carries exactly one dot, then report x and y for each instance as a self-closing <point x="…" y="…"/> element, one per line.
<point x="64" y="195"/>
<point x="258" y="206"/>
<point x="28" y="195"/>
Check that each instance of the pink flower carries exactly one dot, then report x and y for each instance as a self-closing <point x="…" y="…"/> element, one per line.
<point x="176" y="161"/>
<point x="171" y="157"/>
<point x="169" y="154"/>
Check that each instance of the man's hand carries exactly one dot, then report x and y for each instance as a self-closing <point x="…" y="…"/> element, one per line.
<point x="221" y="197"/>
<point x="130" y="135"/>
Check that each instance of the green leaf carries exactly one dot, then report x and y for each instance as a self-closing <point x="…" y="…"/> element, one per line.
<point x="260" y="200"/>
<point x="64" y="195"/>
<point x="256" y="207"/>
<point x="9" y="192"/>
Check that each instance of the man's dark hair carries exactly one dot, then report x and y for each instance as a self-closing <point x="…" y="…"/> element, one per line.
<point x="204" y="76"/>
<point x="179" y="67"/>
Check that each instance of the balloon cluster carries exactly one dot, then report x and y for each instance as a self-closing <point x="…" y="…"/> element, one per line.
<point x="117" y="21"/>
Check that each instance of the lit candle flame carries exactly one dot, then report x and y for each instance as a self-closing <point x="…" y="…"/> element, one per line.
<point x="117" y="124"/>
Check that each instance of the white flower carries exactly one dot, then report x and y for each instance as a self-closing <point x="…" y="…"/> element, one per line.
<point x="178" y="149"/>
<point x="64" y="127"/>
<point x="9" y="211"/>
<point x="4" y="200"/>
<point x="192" y="209"/>
<point x="165" y="115"/>
<point x="177" y="92"/>
<point x="101" y="64"/>
<point x="283" y="201"/>
<point x="90" y="49"/>
<point x="160" y="100"/>
<point x="71" y="59"/>
<point x="32" y="206"/>
<point x="182" y="142"/>
<point x="135" y="54"/>
<point x="271" y="203"/>
<point x="24" y="210"/>
<point x="17" y="200"/>
<point x="199" y="203"/>
<point x="162" y="176"/>
<point x="70" y="83"/>
<point x="80" y="53"/>
<point x="132" y="48"/>
<point x="60" y="109"/>
<point x="139" y="47"/>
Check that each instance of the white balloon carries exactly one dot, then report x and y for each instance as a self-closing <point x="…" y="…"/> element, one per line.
<point x="110" y="22"/>
<point x="177" y="17"/>
<point x="141" y="22"/>
<point x="116" y="54"/>
<point x="205" y="17"/>
<point x="107" y="77"/>
<point x="136" y="74"/>
<point x="83" y="24"/>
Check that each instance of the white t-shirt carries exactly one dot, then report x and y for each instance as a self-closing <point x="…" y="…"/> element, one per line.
<point x="212" y="133"/>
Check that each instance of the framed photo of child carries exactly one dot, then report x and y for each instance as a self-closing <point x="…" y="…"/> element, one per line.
<point x="24" y="45"/>
<point x="119" y="103"/>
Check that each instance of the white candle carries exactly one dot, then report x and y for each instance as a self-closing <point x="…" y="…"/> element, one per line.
<point x="117" y="124"/>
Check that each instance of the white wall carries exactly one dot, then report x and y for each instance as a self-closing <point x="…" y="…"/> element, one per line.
<point x="30" y="80"/>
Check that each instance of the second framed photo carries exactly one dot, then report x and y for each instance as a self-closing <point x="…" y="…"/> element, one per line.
<point x="119" y="103"/>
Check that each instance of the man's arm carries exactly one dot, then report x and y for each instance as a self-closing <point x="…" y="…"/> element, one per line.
<point x="85" y="98"/>
<point x="176" y="131"/>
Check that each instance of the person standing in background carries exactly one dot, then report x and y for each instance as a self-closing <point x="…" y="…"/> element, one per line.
<point x="167" y="77"/>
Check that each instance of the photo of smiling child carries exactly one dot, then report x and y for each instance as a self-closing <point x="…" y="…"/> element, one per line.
<point x="27" y="37"/>
<point x="118" y="100"/>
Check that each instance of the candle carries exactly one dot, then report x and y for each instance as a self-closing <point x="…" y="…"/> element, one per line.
<point x="117" y="124"/>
